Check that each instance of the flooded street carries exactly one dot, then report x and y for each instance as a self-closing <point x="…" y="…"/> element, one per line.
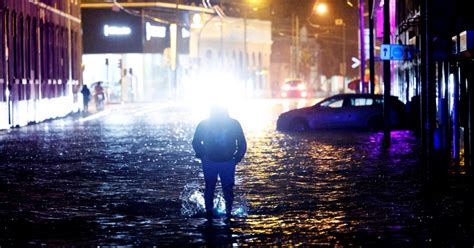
<point x="128" y="176"/>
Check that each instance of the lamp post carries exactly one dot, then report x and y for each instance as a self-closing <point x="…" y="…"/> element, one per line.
<point x="362" y="46"/>
<point x="322" y="9"/>
<point x="340" y="22"/>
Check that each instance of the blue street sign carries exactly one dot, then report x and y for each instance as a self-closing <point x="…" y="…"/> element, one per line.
<point x="396" y="52"/>
<point x="385" y="52"/>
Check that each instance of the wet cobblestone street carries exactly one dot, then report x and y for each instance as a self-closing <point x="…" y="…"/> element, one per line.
<point x="126" y="176"/>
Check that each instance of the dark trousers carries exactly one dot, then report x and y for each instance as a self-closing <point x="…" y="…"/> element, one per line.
<point x="226" y="172"/>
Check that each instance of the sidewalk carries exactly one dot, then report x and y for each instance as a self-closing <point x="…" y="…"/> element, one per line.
<point x="137" y="108"/>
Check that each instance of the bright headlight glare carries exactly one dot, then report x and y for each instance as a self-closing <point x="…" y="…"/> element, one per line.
<point x="301" y="87"/>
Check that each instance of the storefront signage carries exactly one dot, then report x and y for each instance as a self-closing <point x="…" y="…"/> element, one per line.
<point x="107" y="31"/>
<point x="154" y="31"/>
<point x="185" y="33"/>
<point x="116" y="31"/>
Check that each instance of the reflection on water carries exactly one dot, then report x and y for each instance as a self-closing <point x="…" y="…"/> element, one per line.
<point x="108" y="182"/>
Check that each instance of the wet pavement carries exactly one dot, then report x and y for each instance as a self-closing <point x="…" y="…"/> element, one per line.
<point x="128" y="176"/>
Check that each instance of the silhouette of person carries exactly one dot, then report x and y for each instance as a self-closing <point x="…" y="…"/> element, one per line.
<point x="220" y="144"/>
<point x="99" y="96"/>
<point x="86" y="93"/>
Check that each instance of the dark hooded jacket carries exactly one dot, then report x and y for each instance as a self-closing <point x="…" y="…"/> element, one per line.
<point x="219" y="138"/>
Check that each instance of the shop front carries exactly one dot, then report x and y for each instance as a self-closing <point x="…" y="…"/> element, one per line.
<point x="132" y="55"/>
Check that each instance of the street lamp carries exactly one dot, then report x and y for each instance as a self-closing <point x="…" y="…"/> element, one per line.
<point x="320" y="8"/>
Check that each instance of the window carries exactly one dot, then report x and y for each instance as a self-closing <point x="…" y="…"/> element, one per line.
<point x="44" y="49"/>
<point x="13" y="56"/>
<point x="34" y="51"/>
<point x="3" y="14"/>
<point x="3" y="22"/>
<point x="50" y="52"/>
<point x="362" y="101"/>
<point x="21" y="47"/>
<point x="75" y="56"/>
<point x="54" y="52"/>
<point x="28" y="50"/>
<point x="332" y="103"/>
<point x="64" y="56"/>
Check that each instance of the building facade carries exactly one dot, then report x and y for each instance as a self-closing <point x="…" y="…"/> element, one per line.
<point x="437" y="82"/>
<point x="133" y="53"/>
<point x="174" y="56"/>
<point x="40" y="62"/>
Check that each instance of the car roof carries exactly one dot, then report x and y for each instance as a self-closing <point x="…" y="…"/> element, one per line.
<point x="368" y="95"/>
<point x="359" y="95"/>
<point x="287" y="80"/>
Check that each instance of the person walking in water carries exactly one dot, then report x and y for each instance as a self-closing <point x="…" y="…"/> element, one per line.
<point x="220" y="144"/>
<point x="99" y="96"/>
<point x="86" y="93"/>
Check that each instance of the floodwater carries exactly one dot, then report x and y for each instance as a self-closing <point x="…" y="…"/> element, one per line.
<point x="128" y="176"/>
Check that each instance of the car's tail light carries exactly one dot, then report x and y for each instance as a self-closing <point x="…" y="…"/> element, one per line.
<point x="303" y="94"/>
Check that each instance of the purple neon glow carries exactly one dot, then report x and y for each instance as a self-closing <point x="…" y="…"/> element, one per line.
<point x="379" y="18"/>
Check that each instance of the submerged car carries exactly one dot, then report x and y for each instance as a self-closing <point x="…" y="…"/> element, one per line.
<point x="294" y="88"/>
<point x="343" y="111"/>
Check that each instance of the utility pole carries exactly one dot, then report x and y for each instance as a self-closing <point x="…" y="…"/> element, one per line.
<point x="371" y="47"/>
<point x="342" y="65"/>
<point x="428" y="87"/>
<point x="297" y="39"/>
<point x="386" y="75"/>
<point x="362" y="46"/>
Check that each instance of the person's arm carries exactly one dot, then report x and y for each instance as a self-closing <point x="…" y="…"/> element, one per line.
<point x="198" y="141"/>
<point x="241" y="143"/>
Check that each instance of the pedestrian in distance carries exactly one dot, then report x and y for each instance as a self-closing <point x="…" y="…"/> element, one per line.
<point x="219" y="142"/>
<point x="86" y="93"/>
<point x="99" y="96"/>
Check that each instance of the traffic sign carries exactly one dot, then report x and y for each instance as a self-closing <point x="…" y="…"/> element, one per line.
<point x="396" y="52"/>
<point x="356" y="62"/>
<point x="385" y="52"/>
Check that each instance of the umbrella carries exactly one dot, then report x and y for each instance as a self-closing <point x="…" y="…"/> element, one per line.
<point x="354" y="84"/>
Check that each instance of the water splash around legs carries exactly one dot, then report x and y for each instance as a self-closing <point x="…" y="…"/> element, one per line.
<point x="192" y="203"/>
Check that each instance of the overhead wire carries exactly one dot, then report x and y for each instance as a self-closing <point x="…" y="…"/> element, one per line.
<point x="136" y="13"/>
